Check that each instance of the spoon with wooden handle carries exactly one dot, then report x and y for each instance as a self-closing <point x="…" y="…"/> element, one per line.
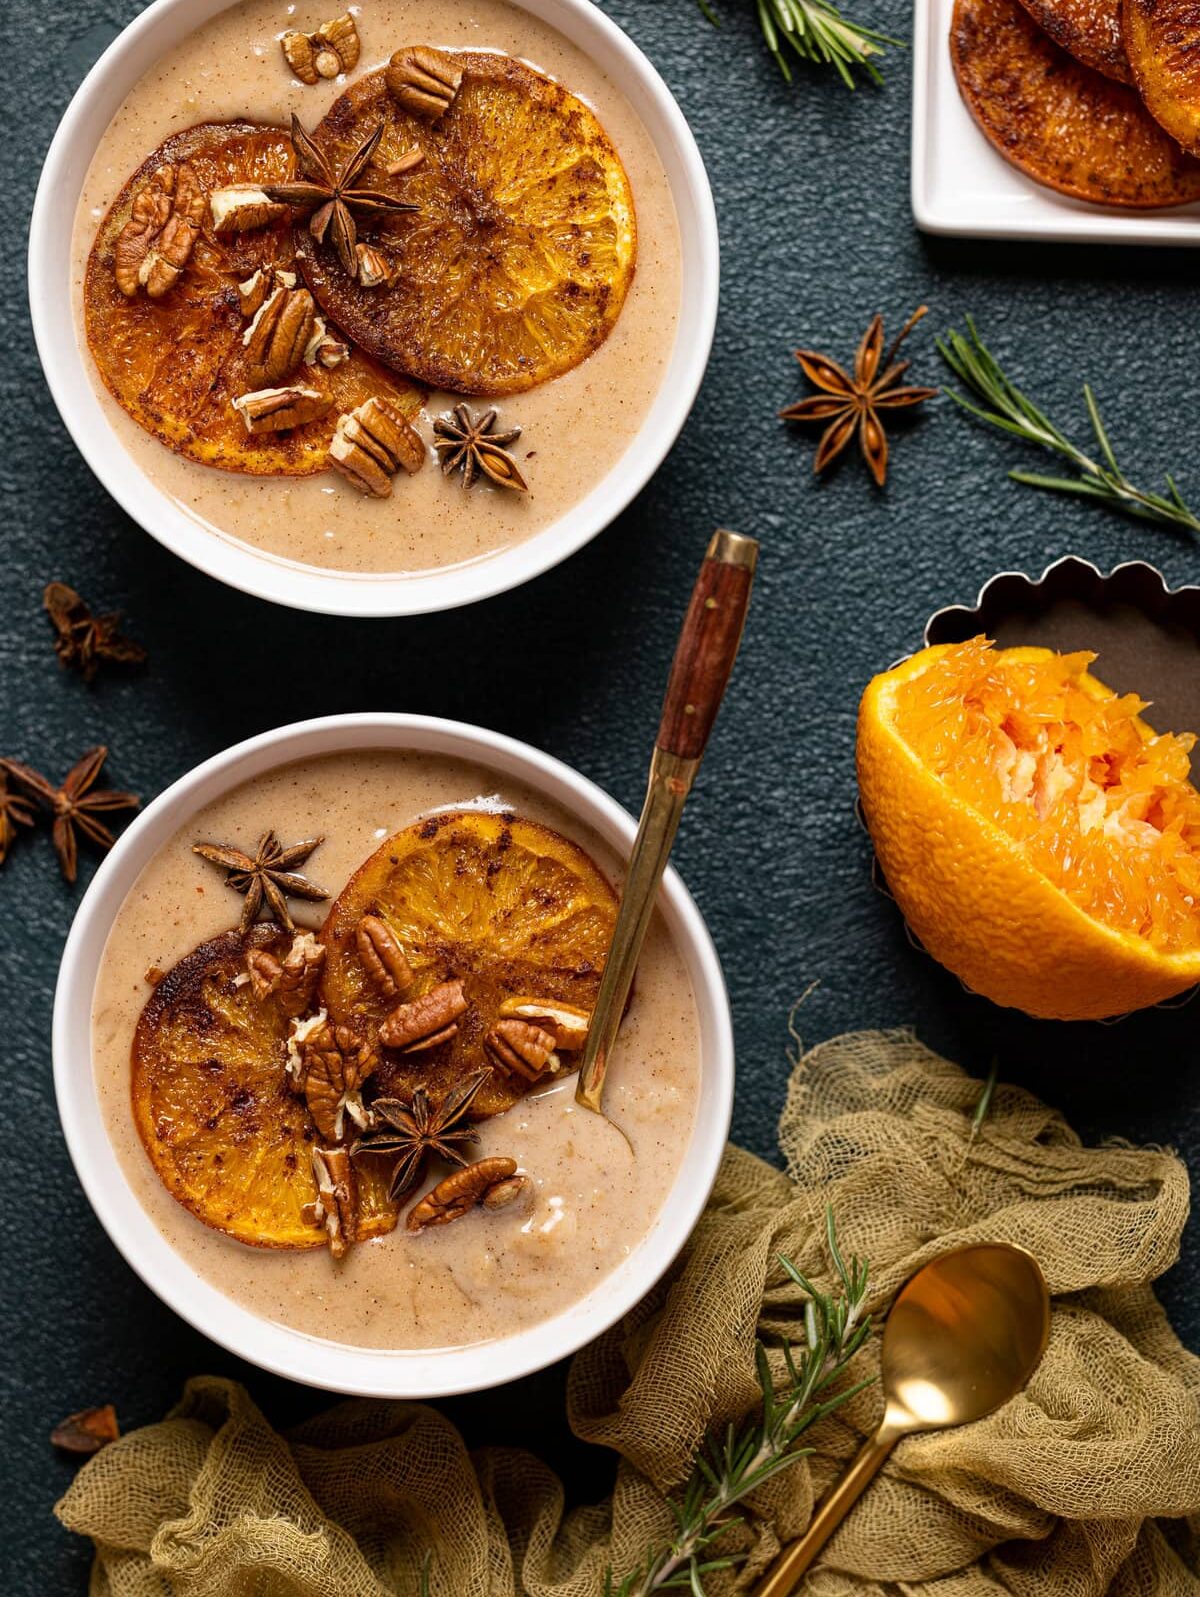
<point x="704" y="657"/>
<point x="964" y="1335"/>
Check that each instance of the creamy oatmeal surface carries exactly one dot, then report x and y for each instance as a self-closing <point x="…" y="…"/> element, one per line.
<point x="575" y="428"/>
<point x="486" y="1275"/>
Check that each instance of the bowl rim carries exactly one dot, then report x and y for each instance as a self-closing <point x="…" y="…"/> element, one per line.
<point x="268" y="1344"/>
<point x="311" y="588"/>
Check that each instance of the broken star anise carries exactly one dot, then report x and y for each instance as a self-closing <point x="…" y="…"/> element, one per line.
<point x="15" y="811"/>
<point x="74" y="805"/>
<point x="465" y="444"/>
<point x="328" y="192"/>
<point x="267" y="877"/>
<point x="852" y="404"/>
<point x="411" y="1132"/>
<point x="84" y="640"/>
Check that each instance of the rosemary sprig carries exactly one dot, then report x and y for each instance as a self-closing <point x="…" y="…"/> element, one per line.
<point x="815" y="30"/>
<point x="1003" y="405"/>
<point x="730" y="1467"/>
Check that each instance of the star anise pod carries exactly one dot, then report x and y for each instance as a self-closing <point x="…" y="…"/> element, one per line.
<point x="410" y="1133"/>
<point x="85" y="640"/>
<point x="328" y="192"/>
<point x="852" y="404"/>
<point x="464" y="443"/>
<point x="268" y="876"/>
<point x="75" y="805"/>
<point x="14" y="811"/>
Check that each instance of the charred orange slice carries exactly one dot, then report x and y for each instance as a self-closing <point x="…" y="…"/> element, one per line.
<point x="517" y="262"/>
<point x="177" y="363"/>
<point x="1162" y="41"/>
<point x="504" y="905"/>
<point x="1090" y="30"/>
<point x="1062" y="124"/>
<point x="1040" y="838"/>
<point x="224" y="1132"/>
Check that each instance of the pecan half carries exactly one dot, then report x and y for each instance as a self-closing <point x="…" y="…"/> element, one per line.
<point x="273" y="410"/>
<point x="164" y="223"/>
<point x="278" y="338"/>
<point x="424" y="81"/>
<point x="300" y="975"/>
<point x="520" y="1048"/>
<point x="382" y="957"/>
<point x="301" y="1033"/>
<point x="336" y="1064"/>
<point x="461" y="1191"/>
<point x="242" y="207"/>
<point x="333" y="48"/>
<point x="565" y="1023"/>
<point x="337" y="1198"/>
<point x="427" y="1021"/>
<point x="371" y="443"/>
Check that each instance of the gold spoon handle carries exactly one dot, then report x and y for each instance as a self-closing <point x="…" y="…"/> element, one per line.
<point x="704" y="656"/>
<point x="781" y="1578"/>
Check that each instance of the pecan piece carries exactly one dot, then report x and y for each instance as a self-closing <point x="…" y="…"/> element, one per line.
<point x="424" y="81"/>
<point x="278" y="338"/>
<point x="323" y="348"/>
<point x="336" y="1207"/>
<point x="374" y="267"/>
<point x="292" y="981"/>
<point x="427" y="1021"/>
<point x="242" y="207"/>
<point x="273" y="410"/>
<point x="300" y="55"/>
<point x="520" y="1048"/>
<point x="461" y="1190"/>
<point x="336" y="1063"/>
<point x="341" y="37"/>
<point x="88" y="1431"/>
<point x="382" y="957"/>
<point x="302" y="1031"/>
<point x="164" y="223"/>
<point x="565" y="1023"/>
<point x="333" y="48"/>
<point x="371" y="443"/>
<point x="253" y="291"/>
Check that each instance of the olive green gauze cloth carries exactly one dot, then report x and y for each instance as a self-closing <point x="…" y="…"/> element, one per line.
<point x="1087" y="1483"/>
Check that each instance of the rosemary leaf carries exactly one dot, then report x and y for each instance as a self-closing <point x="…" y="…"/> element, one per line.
<point x="730" y="1467"/>
<point x="1001" y="404"/>
<point x="983" y="1106"/>
<point x="816" y="31"/>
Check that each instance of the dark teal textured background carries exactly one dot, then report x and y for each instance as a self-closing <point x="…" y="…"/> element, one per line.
<point x="812" y="190"/>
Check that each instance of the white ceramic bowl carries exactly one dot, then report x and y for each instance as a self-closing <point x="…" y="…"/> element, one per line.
<point x="274" y="1347"/>
<point x="162" y="25"/>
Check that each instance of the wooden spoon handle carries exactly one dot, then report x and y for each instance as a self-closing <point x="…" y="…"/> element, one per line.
<point x="708" y="645"/>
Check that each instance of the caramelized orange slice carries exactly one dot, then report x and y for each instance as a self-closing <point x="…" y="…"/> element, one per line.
<point x="1062" y="124"/>
<point x="225" y="1133"/>
<point x="1162" y="40"/>
<point x="504" y="905"/>
<point x="516" y="264"/>
<point x="1090" y="30"/>
<point x="1040" y="838"/>
<point x="177" y="363"/>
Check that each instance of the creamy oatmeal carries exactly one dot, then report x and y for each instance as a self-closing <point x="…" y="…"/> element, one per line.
<point x="575" y="428"/>
<point x="590" y="1199"/>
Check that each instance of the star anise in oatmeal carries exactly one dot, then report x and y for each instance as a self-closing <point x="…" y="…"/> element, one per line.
<point x="327" y="189"/>
<point x="266" y="877"/>
<point x="473" y="446"/>
<point x="75" y="805"/>
<point x="83" y="640"/>
<point x="852" y="404"/>
<point x="410" y="1133"/>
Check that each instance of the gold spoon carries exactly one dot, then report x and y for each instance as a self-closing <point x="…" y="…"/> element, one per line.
<point x="964" y="1335"/>
<point x="704" y="657"/>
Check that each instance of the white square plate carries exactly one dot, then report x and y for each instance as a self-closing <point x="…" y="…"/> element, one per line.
<point x="960" y="185"/>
